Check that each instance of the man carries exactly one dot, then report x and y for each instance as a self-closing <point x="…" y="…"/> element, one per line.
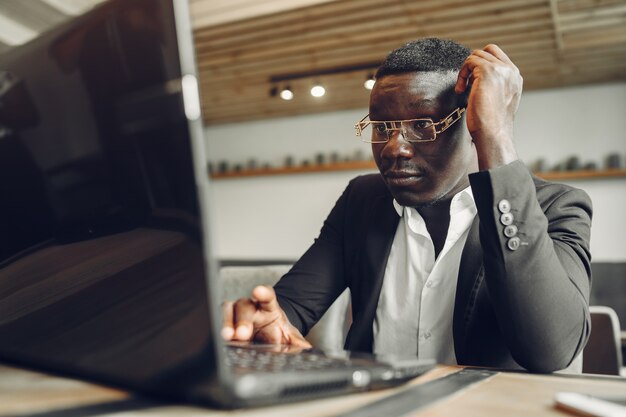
<point x="455" y="251"/>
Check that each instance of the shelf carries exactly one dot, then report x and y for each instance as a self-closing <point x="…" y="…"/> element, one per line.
<point x="370" y="165"/>
<point x="582" y="175"/>
<point x="339" y="166"/>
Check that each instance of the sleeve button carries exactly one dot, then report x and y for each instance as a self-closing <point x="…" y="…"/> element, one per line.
<point x="513" y="243"/>
<point x="506" y="219"/>
<point x="510" y="230"/>
<point x="504" y="206"/>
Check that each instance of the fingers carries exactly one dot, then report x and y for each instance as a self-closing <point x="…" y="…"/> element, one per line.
<point x="495" y="50"/>
<point x="241" y="320"/>
<point x="261" y="318"/>
<point x="463" y="78"/>
<point x="228" y="327"/>
<point x="490" y="53"/>
<point x="244" y="310"/>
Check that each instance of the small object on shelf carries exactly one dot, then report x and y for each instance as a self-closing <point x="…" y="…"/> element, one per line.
<point x="613" y="161"/>
<point x="320" y="159"/>
<point x="210" y="168"/>
<point x="289" y="161"/>
<point x="559" y="167"/>
<point x="252" y="164"/>
<point x="590" y="166"/>
<point x="238" y="168"/>
<point x="305" y="163"/>
<point x="222" y="167"/>
<point x="358" y="155"/>
<point x="572" y="163"/>
<point x="334" y="157"/>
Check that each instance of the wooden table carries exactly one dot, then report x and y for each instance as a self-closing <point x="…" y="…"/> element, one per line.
<point x="28" y="393"/>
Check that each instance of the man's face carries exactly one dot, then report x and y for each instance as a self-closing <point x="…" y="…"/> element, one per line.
<point x="423" y="173"/>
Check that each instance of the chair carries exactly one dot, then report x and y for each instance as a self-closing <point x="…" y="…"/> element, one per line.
<point x="603" y="354"/>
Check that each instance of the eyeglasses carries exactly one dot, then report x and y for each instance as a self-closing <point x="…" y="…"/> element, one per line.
<point x="413" y="130"/>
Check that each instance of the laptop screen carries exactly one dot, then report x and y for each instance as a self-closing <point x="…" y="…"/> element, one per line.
<point x="103" y="173"/>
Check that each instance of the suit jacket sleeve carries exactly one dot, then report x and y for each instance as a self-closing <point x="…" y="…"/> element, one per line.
<point x="540" y="290"/>
<point x="318" y="278"/>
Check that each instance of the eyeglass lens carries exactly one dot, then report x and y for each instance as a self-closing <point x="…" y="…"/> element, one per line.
<point x="413" y="130"/>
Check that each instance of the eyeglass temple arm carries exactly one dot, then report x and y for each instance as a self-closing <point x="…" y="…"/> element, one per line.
<point x="361" y="125"/>
<point x="451" y="119"/>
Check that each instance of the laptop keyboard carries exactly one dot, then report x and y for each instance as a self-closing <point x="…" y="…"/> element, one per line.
<point x="244" y="360"/>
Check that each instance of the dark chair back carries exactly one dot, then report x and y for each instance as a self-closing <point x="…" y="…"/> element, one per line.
<point x="603" y="354"/>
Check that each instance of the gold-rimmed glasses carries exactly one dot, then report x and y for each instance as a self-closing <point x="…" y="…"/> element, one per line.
<point x="413" y="130"/>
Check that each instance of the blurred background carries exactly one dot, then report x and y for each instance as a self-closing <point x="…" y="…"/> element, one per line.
<point x="281" y="158"/>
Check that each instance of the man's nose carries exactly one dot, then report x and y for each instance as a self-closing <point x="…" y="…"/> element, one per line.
<point x="397" y="146"/>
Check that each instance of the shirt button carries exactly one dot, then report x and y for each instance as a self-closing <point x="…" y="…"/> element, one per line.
<point x="513" y="243"/>
<point x="506" y="219"/>
<point x="504" y="206"/>
<point x="510" y="230"/>
<point x="429" y="284"/>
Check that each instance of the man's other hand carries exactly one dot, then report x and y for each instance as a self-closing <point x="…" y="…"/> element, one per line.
<point x="260" y="319"/>
<point x="496" y="89"/>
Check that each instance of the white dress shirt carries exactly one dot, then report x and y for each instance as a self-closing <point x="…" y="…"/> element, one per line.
<point x="416" y="304"/>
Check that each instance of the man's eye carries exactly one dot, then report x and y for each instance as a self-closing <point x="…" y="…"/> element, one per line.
<point x="422" y="124"/>
<point x="380" y="128"/>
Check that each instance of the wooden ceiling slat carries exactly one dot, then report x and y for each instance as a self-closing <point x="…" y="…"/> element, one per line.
<point x="595" y="24"/>
<point x="550" y="81"/>
<point x="592" y="13"/>
<point x="572" y="6"/>
<point x="588" y="39"/>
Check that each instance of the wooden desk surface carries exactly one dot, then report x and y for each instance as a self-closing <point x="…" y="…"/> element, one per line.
<point x="27" y="393"/>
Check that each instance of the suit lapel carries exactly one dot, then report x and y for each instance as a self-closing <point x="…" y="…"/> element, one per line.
<point x="382" y="226"/>
<point x="468" y="282"/>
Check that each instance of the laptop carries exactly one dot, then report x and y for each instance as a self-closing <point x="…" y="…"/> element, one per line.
<point x="106" y="265"/>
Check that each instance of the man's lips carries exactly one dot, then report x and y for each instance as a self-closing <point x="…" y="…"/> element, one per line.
<point x="401" y="177"/>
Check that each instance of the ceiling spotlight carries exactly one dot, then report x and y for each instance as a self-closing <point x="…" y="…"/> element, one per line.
<point x="369" y="83"/>
<point x="318" y="90"/>
<point x="286" y="93"/>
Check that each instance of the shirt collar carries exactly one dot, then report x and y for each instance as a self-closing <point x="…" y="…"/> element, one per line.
<point x="462" y="200"/>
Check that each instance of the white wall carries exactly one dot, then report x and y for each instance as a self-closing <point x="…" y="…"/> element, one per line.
<point x="277" y="217"/>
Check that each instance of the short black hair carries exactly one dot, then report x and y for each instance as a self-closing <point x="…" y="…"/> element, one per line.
<point x="425" y="55"/>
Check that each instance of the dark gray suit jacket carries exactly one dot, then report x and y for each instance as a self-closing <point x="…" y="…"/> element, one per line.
<point x="514" y="308"/>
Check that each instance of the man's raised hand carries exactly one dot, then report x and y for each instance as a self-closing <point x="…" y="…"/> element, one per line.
<point x="496" y="88"/>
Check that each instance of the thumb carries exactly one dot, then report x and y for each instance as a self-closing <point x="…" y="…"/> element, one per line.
<point x="265" y="298"/>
